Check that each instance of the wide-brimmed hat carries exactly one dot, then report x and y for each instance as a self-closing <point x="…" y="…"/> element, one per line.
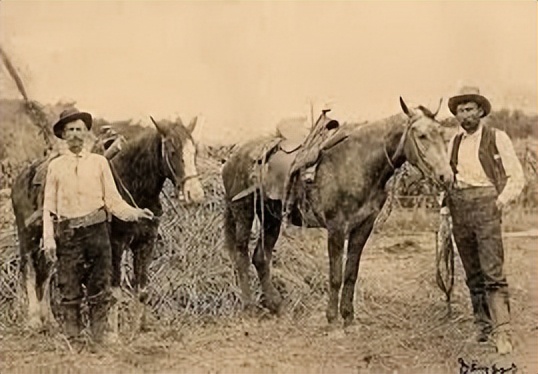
<point x="467" y="94"/>
<point x="70" y="115"/>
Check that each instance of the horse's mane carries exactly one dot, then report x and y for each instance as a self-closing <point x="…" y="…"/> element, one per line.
<point x="377" y="129"/>
<point x="138" y="163"/>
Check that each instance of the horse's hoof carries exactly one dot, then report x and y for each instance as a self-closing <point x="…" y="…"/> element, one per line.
<point x="143" y="296"/>
<point x="116" y="294"/>
<point x="34" y="323"/>
<point x="250" y="309"/>
<point x="111" y="338"/>
<point x="275" y="309"/>
<point x="51" y="327"/>
<point x="332" y="316"/>
<point x="349" y="321"/>
<point x="352" y="329"/>
<point x="147" y="325"/>
<point x="274" y="305"/>
<point x="332" y="320"/>
<point x="336" y="334"/>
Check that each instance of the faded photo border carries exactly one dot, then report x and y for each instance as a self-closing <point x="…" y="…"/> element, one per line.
<point x="340" y="115"/>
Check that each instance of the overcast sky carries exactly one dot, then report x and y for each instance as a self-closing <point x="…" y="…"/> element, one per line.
<point x="245" y="65"/>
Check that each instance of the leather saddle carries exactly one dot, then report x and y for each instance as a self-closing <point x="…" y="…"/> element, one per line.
<point x="285" y="155"/>
<point x="273" y="161"/>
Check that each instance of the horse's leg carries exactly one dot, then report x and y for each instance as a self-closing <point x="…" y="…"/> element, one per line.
<point x="117" y="253"/>
<point x="142" y="256"/>
<point x="27" y="246"/>
<point x="238" y="219"/>
<point x="335" y="247"/>
<point x="357" y="239"/>
<point x="113" y="316"/>
<point x="264" y="251"/>
<point x="143" y="249"/>
<point x="30" y="283"/>
<point x="41" y="271"/>
<point x="45" y="303"/>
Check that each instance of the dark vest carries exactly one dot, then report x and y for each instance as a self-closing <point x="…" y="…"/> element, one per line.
<point x="489" y="157"/>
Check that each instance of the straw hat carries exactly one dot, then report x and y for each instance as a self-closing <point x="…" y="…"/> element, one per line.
<point x="467" y="94"/>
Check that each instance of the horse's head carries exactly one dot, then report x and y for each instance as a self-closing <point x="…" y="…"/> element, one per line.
<point x="424" y="146"/>
<point x="178" y="157"/>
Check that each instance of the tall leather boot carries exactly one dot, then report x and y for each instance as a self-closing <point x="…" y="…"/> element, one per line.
<point x="99" y="321"/>
<point x="482" y="317"/>
<point x="499" y="305"/>
<point x="72" y="320"/>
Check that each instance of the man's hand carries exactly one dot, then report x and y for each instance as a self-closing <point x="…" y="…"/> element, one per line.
<point x="49" y="247"/>
<point x="144" y="213"/>
<point x="500" y="205"/>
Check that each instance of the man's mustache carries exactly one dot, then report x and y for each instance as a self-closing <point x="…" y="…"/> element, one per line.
<point x="468" y="122"/>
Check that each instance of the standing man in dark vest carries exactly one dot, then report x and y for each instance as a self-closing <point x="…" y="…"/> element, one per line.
<point x="488" y="177"/>
<point x="79" y="193"/>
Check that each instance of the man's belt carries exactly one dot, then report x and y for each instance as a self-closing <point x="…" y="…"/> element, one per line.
<point x="93" y="218"/>
<point x="475" y="192"/>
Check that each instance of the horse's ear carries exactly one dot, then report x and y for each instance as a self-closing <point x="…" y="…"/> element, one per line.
<point x="404" y="107"/>
<point x="161" y="128"/>
<point x="438" y="108"/>
<point x="192" y="125"/>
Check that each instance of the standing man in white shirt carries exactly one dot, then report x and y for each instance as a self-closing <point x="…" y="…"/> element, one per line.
<point x="488" y="177"/>
<point x="79" y="192"/>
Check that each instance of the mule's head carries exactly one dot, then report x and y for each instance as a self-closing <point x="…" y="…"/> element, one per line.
<point x="178" y="157"/>
<point x="424" y="145"/>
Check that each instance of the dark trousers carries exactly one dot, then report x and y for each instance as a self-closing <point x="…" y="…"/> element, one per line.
<point x="477" y="230"/>
<point x="84" y="258"/>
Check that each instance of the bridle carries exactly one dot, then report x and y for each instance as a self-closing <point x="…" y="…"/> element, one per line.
<point x="417" y="149"/>
<point x="171" y="169"/>
<point x="165" y="157"/>
<point x="401" y="144"/>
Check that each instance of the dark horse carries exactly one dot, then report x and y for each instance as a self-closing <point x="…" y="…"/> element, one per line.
<point x="140" y="170"/>
<point x="347" y="196"/>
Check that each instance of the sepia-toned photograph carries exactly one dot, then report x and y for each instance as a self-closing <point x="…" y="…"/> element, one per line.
<point x="244" y="187"/>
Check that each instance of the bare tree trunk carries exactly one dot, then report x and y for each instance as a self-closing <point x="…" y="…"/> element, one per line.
<point x="33" y="109"/>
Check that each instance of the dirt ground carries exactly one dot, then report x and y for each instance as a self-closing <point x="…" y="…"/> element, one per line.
<point x="401" y="326"/>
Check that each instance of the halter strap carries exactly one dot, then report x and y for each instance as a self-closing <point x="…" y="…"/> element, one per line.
<point x="164" y="155"/>
<point x="419" y="151"/>
<point x="388" y="157"/>
<point x="401" y="143"/>
<point x="186" y="178"/>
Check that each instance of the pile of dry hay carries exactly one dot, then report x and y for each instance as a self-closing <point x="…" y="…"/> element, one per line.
<point x="191" y="272"/>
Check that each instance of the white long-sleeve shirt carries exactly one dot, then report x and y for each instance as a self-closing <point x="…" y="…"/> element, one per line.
<point x="471" y="172"/>
<point x="77" y="185"/>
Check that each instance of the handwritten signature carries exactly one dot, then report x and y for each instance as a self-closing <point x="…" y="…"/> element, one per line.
<point x="473" y="367"/>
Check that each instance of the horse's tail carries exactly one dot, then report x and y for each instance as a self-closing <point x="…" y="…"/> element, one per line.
<point x="23" y="202"/>
<point x="23" y="197"/>
<point x="229" y="227"/>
